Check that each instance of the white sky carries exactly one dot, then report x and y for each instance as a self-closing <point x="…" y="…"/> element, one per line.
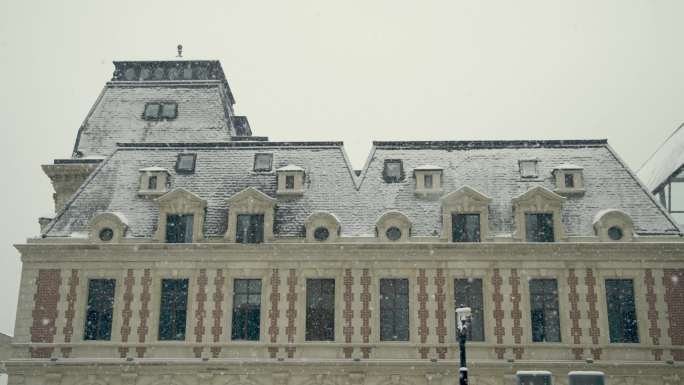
<point x="348" y="70"/>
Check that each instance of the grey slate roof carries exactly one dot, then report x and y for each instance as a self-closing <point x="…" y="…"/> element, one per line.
<point x="224" y="169"/>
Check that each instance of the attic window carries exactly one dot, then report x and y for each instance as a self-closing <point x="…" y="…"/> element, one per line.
<point x="393" y="171"/>
<point x="263" y="162"/>
<point x="569" y="179"/>
<point x="153" y="181"/>
<point x="160" y="110"/>
<point x="528" y="168"/>
<point x="428" y="179"/>
<point x="186" y="163"/>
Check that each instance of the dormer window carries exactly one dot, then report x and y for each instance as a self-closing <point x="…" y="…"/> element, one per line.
<point x="428" y="179"/>
<point x="393" y="171"/>
<point x="528" y="168"/>
<point x="263" y="162"/>
<point x="250" y="217"/>
<point x="569" y="179"/>
<point x="290" y="180"/>
<point x="185" y="163"/>
<point x="160" y="111"/>
<point x="153" y="181"/>
<point x="537" y="215"/>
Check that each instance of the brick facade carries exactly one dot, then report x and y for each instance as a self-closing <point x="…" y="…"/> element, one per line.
<point x="673" y="280"/>
<point x="45" y="313"/>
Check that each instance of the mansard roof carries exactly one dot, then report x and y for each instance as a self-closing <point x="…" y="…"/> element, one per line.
<point x="491" y="168"/>
<point x="665" y="162"/>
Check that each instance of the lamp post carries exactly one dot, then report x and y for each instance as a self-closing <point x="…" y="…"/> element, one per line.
<point x="463" y="323"/>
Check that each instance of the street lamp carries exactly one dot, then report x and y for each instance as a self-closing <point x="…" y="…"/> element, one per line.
<point x="463" y="323"/>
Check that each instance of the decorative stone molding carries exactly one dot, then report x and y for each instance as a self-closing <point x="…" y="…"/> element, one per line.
<point x="161" y="175"/>
<point x="251" y="201"/>
<point x="322" y="219"/>
<point x="569" y="179"/>
<point x="67" y="177"/>
<point x="105" y="224"/>
<point x="430" y="173"/>
<point x="608" y="224"/>
<point x="181" y="201"/>
<point x="387" y="224"/>
<point x="538" y="200"/>
<point x="295" y="174"/>
<point x="465" y="200"/>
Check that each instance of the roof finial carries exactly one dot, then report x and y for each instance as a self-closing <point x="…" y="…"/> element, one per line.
<point x="180" y="50"/>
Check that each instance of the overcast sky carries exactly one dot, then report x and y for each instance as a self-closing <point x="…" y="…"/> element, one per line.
<point x="348" y="70"/>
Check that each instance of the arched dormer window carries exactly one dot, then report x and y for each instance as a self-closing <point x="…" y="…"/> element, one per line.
<point x="108" y="227"/>
<point x="613" y="225"/>
<point x="322" y="227"/>
<point x="250" y="217"/>
<point x="537" y="215"/>
<point x="465" y="215"/>
<point x="393" y="226"/>
<point x="181" y="217"/>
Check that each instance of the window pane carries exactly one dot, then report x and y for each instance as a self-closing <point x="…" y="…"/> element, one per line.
<point x="427" y="181"/>
<point x="179" y="228"/>
<point x="622" y="321"/>
<point x="320" y="309"/>
<point x="528" y="168"/>
<point x="173" y="309"/>
<point x="539" y="227"/>
<point x="186" y="163"/>
<point x="569" y="180"/>
<point x="465" y="227"/>
<point x="468" y="292"/>
<point x="246" y="309"/>
<point x="262" y="162"/>
<point x="250" y="228"/>
<point x="394" y="310"/>
<point x="152" y="182"/>
<point x="99" y="309"/>
<point x="168" y="110"/>
<point x="544" y="311"/>
<point x="289" y="182"/>
<point x="393" y="170"/>
<point x="152" y="111"/>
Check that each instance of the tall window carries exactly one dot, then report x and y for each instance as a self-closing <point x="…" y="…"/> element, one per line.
<point x="622" y="321"/>
<point x="99" y="311"/>
<point x="539" y="227"/>
<point x="152" y="182"/>
<point x="320" y="309"/>
<point x="246" y="309"/>
<point x="173" y="309"/>
<point x="394" y="309"/>
<point x="544" y="311"/>
<point x="468" y="292"/>
<point x="289" y="182"/>
<point x="179" y="228"/>
<point x="250" y="228"/>
<point x="427" y="181"/>
<point x="465" y="227"/>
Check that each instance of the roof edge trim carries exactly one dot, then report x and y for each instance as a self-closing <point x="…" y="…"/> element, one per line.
<point x="475" y="144"/>
<point x="231" y="144"/>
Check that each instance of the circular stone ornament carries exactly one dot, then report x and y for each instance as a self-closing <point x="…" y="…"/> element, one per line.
<point x="393" y="233"/>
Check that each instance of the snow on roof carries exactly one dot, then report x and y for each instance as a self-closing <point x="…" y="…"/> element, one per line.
<point x="154" y="168"/>
<point x="568" y="166"/>
<point x="665" y="161"/>
<point x="533" y="373"/>
<point x="427" y="167"/>
<point x="227" y="168"/>
<point x="290" y="167"/>
<point x="585" y="373"/>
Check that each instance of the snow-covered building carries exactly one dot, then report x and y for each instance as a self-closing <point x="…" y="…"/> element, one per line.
<point x="663" y="174"/>
<point x="187" y="251"/>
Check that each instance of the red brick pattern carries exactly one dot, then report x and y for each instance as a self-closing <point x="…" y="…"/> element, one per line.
<point x="423" y="313"/>
<point x="498" y="313"/>
<point x="70" y="312"/>
<point x="516" y="313"/>
<point x="348" y="313"/>
<point x="216" y="330"/>
<point x="365" y="311"/>
<point x="673" y="280"/>
<point x="440" y="312"/>
<point x="144" y="311"/>
<point x="654" y="330"/>
<point x="201" y="312"/>
<point x="126" y="313"/>
<point x="45" y="310"/>
<point x="573" y="299"/>
<point x="291" y="313"/>
<point x="593" y="314"/>
<point x="274" y="313"/>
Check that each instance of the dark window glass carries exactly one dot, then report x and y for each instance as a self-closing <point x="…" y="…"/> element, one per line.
<point x="569" y="181"/>
<point x="544" y="311"/>
<point x="152" y="182"/>
<point x="393" y="171"/>
<point x="393" y="233"/>
<point x="394" y="309"/>
<point x="320" y="309"/>
<point x="465" y="227"/>
<point x="186" y="163"/>
<point x="169" y="110"/>
<point x="321" y="233"/>
<point x="263" y="162"/>
<point x="173" y="309"/>
<point x="106" y="234"/>
<point x="622" y="320"/>
<point x="179" y="228"/>
<point x="427" y="181"/>
<point x="615" y="233"/>
<point x="289" y="182"/>
<point x="152" y="111"/>
<point x="539" y="227"/>
<point x="468" y="292"/>
<point x="250" y="228"/>
<point x="100" y="308"/>
<point x="246" y="309"/>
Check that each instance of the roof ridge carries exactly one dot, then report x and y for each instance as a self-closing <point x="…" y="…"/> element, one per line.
<point x="231" y="144"/>
<point x="469" y="144"/>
